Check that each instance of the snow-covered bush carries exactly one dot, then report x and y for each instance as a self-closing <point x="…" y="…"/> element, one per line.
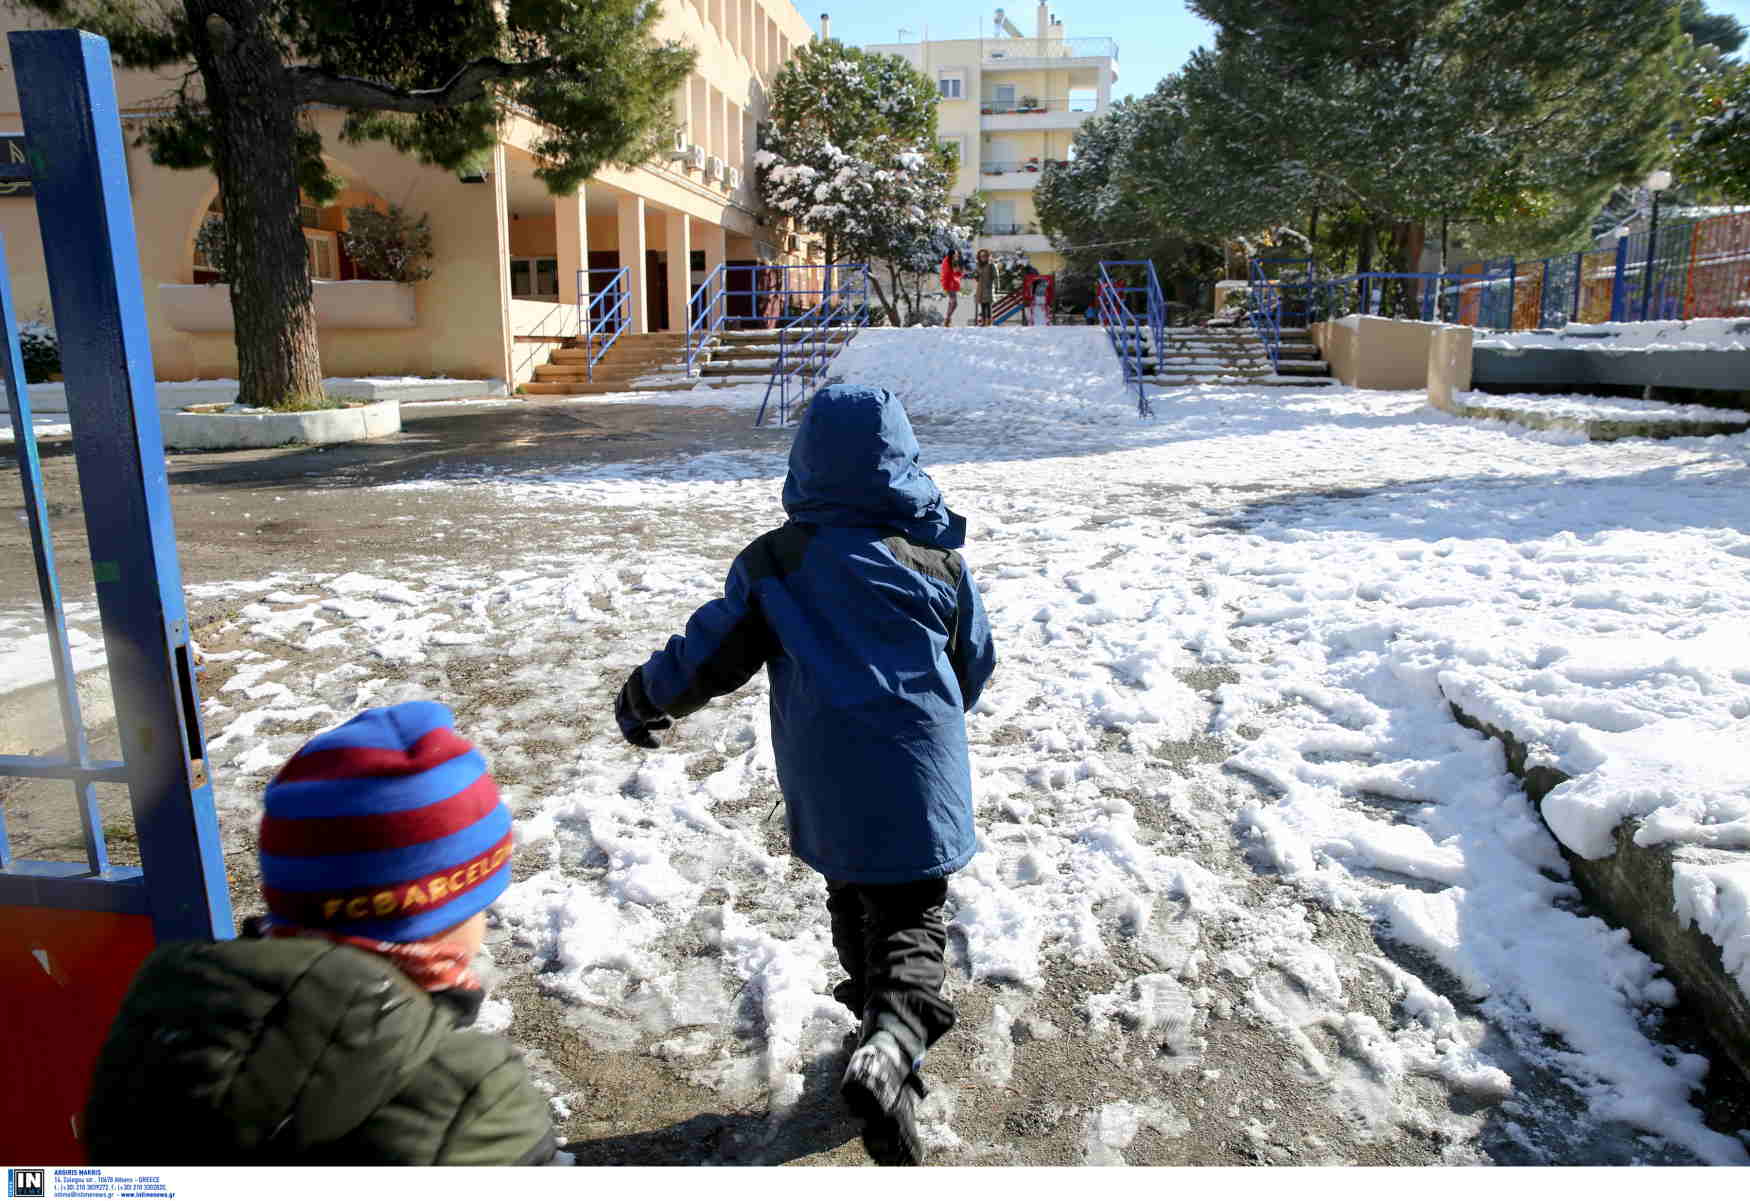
<point x="41" y="351"/>
<point x="389" y="244"/>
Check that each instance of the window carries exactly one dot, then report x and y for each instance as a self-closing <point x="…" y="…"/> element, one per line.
<point x="951" y="85"/>
<point x="1003" y="95"/>
<point x="309" y="216"/>
<point x="956" y="143"/>
<point x="534" y="278"/>
<point x="320" y="248"/>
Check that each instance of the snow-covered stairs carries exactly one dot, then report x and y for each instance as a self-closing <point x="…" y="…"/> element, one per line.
<point x="658" y="363"/>
<point x="1212" y="355"/>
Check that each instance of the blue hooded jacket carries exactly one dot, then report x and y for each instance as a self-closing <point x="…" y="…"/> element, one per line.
<point x="875" y="640"/>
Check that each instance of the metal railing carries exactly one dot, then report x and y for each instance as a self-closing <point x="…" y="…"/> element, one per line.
<point x="1005" y="48"/>
<point x="1006" y="229"/>
<point x="1677" y="272"/>
<point x="809" y="342"/>
<point x="1133" y="333"/>
<point x="602" y="313"/>
<point x="1032" y="166"/>
<point x="750" y="297"/>
<point x="1057" y="104"/>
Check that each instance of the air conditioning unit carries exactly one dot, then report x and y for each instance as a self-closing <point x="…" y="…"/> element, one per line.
<point x="678" y="147"/>
<point x="695" y="158"/>
<point x="713" y="168"/>
<point x="734" y="180"/>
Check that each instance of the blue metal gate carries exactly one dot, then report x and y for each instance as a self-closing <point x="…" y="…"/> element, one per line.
<point x="71" y="934"/>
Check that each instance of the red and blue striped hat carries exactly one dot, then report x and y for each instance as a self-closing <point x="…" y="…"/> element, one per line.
<point x="387" y="827"/>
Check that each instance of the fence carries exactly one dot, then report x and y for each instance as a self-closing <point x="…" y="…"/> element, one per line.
<point x="1678" y="272"/>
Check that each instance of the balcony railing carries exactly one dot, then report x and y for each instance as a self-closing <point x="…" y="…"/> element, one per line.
<point x="1000" y="48"/>
<point x="1086" y="104"/>
<point x="995" y="229"/>
<point x="1030" y="166"/>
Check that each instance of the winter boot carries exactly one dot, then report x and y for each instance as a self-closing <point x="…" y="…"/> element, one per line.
<point x="882" y="1090"/>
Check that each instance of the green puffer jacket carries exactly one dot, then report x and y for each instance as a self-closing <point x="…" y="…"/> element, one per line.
<point x="300" y="1051"/>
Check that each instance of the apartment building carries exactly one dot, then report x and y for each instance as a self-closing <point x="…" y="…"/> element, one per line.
<point x="1012" y="103"/>
<point x="507" y="253"/>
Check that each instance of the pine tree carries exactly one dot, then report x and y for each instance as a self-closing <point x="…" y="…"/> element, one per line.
<point x="1409" y="110"/>
<point x="430" y="77"/>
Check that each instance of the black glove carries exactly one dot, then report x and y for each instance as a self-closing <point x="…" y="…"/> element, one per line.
<point x="637" y="716"/>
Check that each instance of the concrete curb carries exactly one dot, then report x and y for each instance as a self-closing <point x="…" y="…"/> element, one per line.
<point x="1633" y="889"/>
<point x="1595" y="429"/>
<point x="235" y="431"/>
<point x="31" y="716"/>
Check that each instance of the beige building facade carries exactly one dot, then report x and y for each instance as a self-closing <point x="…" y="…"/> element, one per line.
<point x="509" y="256"/>
<point x="1012" y="103"/>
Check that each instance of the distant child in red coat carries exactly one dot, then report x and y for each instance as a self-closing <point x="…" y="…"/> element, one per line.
<point x="951" y="285"/>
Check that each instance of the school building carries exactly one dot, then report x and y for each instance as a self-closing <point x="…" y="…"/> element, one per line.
<point x="507" y="253"/>
<point x="1012" y="103"/>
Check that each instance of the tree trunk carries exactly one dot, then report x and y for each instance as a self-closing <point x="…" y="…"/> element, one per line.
<point x="1410" y="237"/>
<point x="1364" y="264"/>
<point x="881" y="298"/>
<point x="255" y="127"/>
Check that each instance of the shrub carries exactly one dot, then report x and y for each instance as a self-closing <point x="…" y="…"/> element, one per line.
<point x="388" y="245"/>
<point x="41" y="351"/>
<point x="210" y="243"/>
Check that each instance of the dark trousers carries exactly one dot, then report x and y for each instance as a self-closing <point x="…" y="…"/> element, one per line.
<point x="891" y="939"/>
<point x="984" y="312"/>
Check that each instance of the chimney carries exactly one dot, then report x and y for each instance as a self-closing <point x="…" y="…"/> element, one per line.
<point x="826" y="27"/>
<point x="1044" y="21"/>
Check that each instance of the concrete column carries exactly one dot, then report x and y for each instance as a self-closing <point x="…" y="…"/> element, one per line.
<point x="679" y="239"/>
<point x="571" y="221"/>
<point x="1103" y="97"/>
<point x="631" y="223"/>
<point x="501" y="222"/>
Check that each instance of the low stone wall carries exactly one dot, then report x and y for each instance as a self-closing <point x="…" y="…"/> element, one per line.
<point x="1449" y="364"/>
<point x="1376" y="352"/>
<point x="174" y="396"/>
<point x="236" y="431"/>
<point x="1633" y="889"/>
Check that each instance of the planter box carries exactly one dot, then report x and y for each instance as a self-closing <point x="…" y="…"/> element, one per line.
<point x="174" y="395"/>
<point x="340" y="304"/>
<point x="235" y="431"/>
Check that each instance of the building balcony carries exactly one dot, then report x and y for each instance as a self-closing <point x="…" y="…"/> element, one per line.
<point x="1014" y="237"/>
<point x="1012" y="177"/>
<point x="992" y="118"/>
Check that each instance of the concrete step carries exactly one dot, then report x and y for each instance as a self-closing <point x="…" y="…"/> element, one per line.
<point x="1261" y="381"/>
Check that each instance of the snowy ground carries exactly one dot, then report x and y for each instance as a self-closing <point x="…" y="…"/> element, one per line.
<point x="1234" y="847"/>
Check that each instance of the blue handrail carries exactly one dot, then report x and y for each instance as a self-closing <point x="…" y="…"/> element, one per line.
<point x="708" y="308"/>
<point x="602" y="313"/>
<point x="1126" y="327"/>
<point x="807" y="343"/>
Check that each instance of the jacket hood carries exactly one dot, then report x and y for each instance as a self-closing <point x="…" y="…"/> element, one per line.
<point x="855" y="463"/>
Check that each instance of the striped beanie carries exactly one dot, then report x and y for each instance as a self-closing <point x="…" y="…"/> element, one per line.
<point x="388" y="827"/>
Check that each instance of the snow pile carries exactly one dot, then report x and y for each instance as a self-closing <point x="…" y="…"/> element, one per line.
<point x="1629" y="337"/>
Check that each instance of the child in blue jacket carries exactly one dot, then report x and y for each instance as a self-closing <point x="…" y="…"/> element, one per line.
<point x="876" y="643"/>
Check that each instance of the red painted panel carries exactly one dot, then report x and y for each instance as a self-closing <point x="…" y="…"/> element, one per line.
<point x="63" y="974"/>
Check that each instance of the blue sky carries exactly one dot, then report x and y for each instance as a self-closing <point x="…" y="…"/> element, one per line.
<point x="1154" y="37"/>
